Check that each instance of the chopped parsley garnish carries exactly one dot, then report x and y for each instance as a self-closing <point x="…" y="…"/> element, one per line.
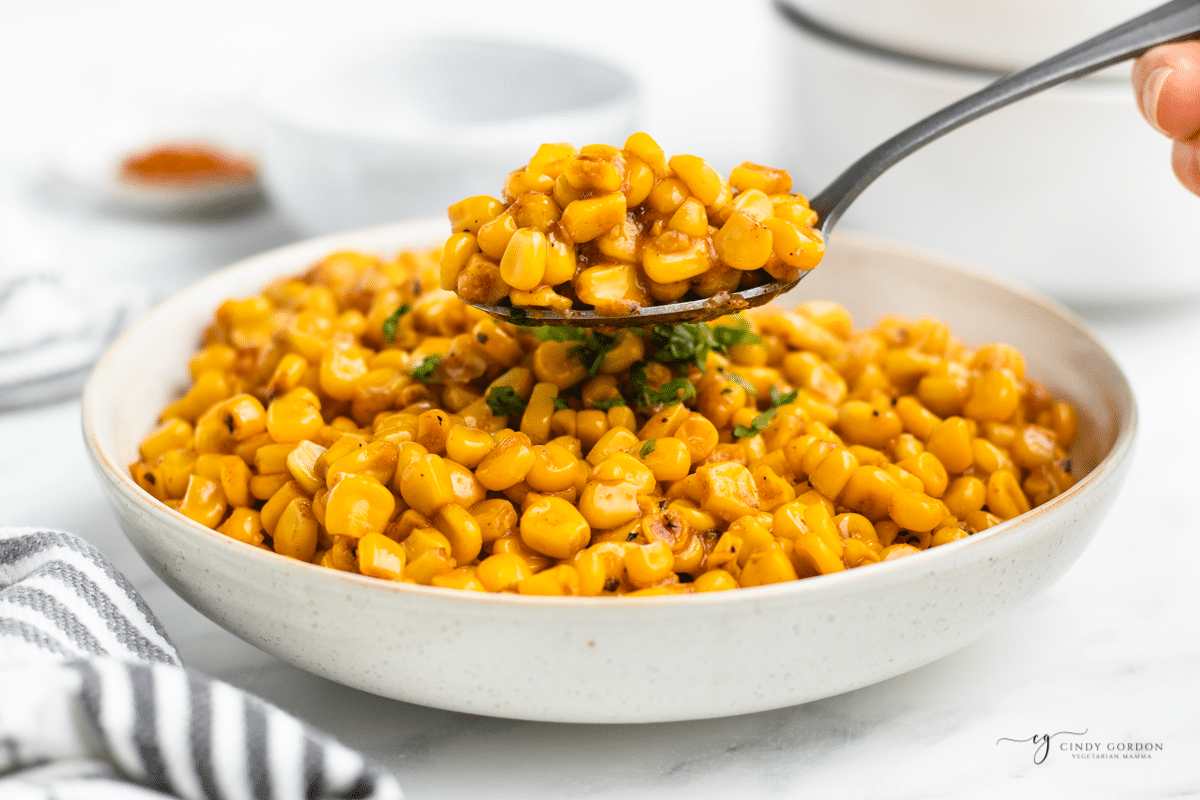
<point x="612" y="402"/>
<point x="424" y="371"/>
<point x="518" y="315"/>
<point x="505" y="402"/>
<point x="592" y="346"/>
<point x="561" y="404"/>
<point x="779" y="398"/>
<point x="647" y="448"/>
<point x="393" y="321"/>
<point x="742" y="382"/>
<point x="667" y="394"/>
<point x="691" y="342"/>
<point x="757" y="425"/>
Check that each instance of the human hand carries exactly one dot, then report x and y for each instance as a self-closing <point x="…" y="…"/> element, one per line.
<point x="1166" y="81"/>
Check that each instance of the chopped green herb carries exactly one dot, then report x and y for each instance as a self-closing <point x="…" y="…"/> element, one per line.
<point x="727" y="390"/>
<point x="605" y="405"/>
<point x="518" y="315"/>
<point x="667" y="394"/>
<point x="648" y="448"/>
<point x="727" y="336"/>
<point x="756" y="425"/>
<point x="779" y="398"/>
<point x="424" y="371"/>
<point x="393" y="321"/>
<point x="561" y="403"/>
<point x="505" y="402"/>
<point x="590" y="351"/>
<point x="682" y="344"/>
<point x="742" y="382"/>
<point x="631" y="536"/>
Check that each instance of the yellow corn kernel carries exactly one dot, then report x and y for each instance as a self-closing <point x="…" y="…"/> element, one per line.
<point x="812" y="555"/>
<point x="995" y="396"/>
<point x="380" y="557"/>
<point x="727" y="490"/>
<point x="869" y="491"/>
<point x="244" y="525"/>
<point x="425" y="484"/>
<point x="646" y="149"/>
<point x="613" y="288"/>
<point x="295" y="534"/>
<point x="915" y="511"/>
<point x="468" y="446"/>
<point x="264" y="487"/>
<point x="892" y="552"/>
<point x="703" y="182"/>
<point x="947" y="535"/>
<point x="1033" y="446"/>
<point x="433" y="427"/>
<point x="767" y="565"/>
<point x="502" y="572"/>
<point x="424" y="540"/>
<point x="554" y="469"/>
<point x="561" y="580"/>
<point x="550" y="159"/>
<point x="743" y="242"/>
<point x="999" y="356"/>
<point x="468" y="215"/>
<point x="234" y="477"/>
<point x="929" y="470"/>
<point x="950" y="442"/>
<point x="461" y="530"/>
<point x="917" y="420"/>
<point x="607" y="504"/>
<point x="673" y="256"/>
<point x="860" y="422"/>
<point x="773" y="491"/>
<point x="211" y="387"/>
<point x="170" y="434"/>
<point x="150" y="479"/>
<point x="300" y="464"/>
<point x="622" y="466"/>
<point x="834" y="472"/>
<point x="858" y="554"/>
<point x="535" y="423"/>
<point x="553" y="362"/>
<point x="715" y="580"/>
<point x="668" y="458"/>
<point x="461" y="578"/>
<point x="554" y="527"/>
<point x="455" y="254"/>
<point x="359" y="504"/>
<point x="945" y="388"/>
<point x="239" y="418"/>
<point x="220" y="357"/>
<point x="506" y="464"/>
<point x="648" y="564"/>
<point x="699" y="436"/>
<point x="342" y="364"/>
<point x="965" y="495"/>
<point x="429" y="566"/>
<point x="291" y="419"/>
<point x="1061" y="418"/>
<point x="1005" y="498"/>
<point x="614" y="440"/>
<point x="585" y="220"/>
<point x="377" y="459"/>
<point x="203" y="501"/>
<point x="493" y="236"/>
<point x="523" y="263"/>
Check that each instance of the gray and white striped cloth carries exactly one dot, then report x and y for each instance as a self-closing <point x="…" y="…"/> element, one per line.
<point x="95" y="704"/>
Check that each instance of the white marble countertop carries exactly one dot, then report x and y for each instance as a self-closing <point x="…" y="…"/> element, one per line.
<point x="1109" y="648"/>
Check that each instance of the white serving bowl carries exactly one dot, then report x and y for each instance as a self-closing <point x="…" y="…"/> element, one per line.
<point x="406" y="130"/>
<point x="1000" y="35"/>
<point x="1069" y="190"/>
<point x="631" y="660"/>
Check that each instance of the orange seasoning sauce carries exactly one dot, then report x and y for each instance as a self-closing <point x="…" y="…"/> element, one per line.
<point x="186" y="163"/>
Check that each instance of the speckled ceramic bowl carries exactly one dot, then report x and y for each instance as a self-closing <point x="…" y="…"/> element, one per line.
<point x="637" y="660"/>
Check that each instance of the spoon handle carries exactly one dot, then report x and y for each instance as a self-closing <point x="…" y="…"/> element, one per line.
<point x="1174" y="21"/>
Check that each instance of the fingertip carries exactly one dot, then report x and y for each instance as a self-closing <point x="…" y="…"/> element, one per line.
<point x="1185" y="161"/>
<point x="1167" y="85"/>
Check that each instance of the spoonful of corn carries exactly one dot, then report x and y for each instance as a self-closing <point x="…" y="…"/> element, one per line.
<point x="626" y="237"/>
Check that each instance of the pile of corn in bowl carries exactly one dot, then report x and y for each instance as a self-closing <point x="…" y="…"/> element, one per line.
<point x="360" y="418"/>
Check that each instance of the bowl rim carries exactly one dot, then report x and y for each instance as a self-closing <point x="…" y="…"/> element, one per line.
<point x="275" y="108"/>
<point x="834" y="585"/>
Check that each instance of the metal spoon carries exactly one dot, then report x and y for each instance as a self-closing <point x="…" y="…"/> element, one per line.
<point x="1174" y="21"/>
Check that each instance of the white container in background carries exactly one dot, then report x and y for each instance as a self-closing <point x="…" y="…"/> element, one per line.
<point x="1069" y="190"/>
<point x="408" y="129"/>
<point x="1000" y="35"/>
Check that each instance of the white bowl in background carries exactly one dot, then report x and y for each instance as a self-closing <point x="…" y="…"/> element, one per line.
<point x="1069" y="190"/>
<point x="409" y="129"/>
<point x="998" y="35"/>
<point x="649" y="659"/>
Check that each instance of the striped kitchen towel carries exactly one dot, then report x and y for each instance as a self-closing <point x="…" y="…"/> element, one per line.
<point x="95" y="704"/>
